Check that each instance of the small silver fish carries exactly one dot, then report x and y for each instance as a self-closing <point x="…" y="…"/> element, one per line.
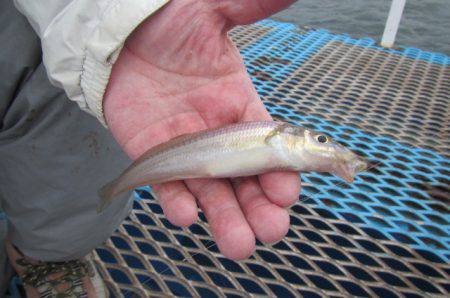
<point x="237" y="150"/>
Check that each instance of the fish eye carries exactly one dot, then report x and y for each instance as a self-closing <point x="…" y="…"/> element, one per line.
<point x="322" y="139"/>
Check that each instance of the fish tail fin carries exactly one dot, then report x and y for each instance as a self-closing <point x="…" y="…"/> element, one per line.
<point x="107" y="194"/>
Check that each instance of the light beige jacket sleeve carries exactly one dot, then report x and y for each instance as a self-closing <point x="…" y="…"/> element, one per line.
<point x="81" y="40"/>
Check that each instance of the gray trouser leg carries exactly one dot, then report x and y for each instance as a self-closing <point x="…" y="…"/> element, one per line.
<point x="53" y="156"/>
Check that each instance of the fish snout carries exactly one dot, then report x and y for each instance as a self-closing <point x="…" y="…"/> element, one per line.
<point x="349" y="166"/>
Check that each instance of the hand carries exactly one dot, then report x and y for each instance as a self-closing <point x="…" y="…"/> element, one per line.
<point x="179" y="73"/>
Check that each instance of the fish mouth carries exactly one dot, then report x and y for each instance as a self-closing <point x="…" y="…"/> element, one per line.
<point x="347" y="170"/>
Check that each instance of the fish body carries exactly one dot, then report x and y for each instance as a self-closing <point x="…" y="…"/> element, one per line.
<point x="237" y="150"/>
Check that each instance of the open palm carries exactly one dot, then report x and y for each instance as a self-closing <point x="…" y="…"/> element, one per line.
<point x="179" y="73"/>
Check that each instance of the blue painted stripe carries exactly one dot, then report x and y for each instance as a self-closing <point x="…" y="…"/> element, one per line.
<point x="285" y="29"/>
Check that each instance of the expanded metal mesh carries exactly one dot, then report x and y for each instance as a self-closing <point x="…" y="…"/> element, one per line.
<point x="386" y="235"/>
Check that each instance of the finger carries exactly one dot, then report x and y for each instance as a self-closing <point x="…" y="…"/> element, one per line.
<point x="232" y="233"/>
<point x="246" y="12"/>
<point x="282" y="188"/>
<point x="177" y="202"/>
<point x="269" y="222"/>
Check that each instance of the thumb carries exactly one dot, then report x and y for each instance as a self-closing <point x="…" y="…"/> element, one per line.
<point x="246" y="12"/>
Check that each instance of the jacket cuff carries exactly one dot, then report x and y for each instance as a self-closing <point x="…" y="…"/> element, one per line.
<point x="104" y="45"/>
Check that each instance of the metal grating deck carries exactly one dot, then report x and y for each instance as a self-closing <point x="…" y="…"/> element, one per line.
<point x="386" y="235"/>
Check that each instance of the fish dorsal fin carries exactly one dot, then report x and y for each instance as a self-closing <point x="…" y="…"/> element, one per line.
<point x="168" y="144"/>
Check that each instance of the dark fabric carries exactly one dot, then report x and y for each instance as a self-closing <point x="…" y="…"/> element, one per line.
<point x="53" y="157"/>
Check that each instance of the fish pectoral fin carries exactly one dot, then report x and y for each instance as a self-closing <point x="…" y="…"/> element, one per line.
<point x="275" y="133"/>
